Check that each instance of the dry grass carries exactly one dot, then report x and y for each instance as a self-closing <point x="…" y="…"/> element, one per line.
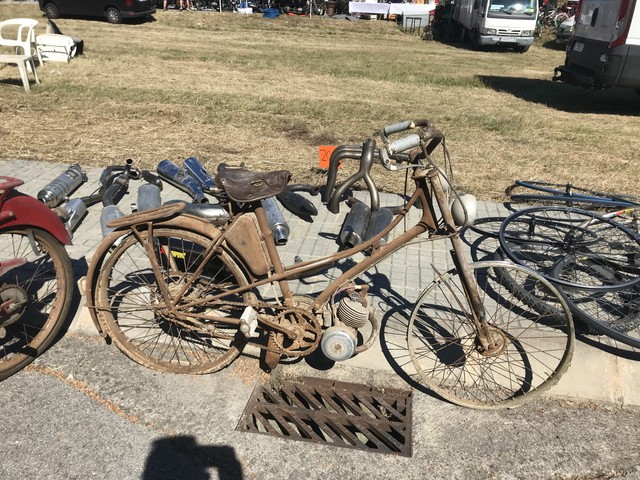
<point x="232" y="88"/>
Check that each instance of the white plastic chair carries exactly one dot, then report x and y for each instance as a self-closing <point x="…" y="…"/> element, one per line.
<point x="20" y="33"/>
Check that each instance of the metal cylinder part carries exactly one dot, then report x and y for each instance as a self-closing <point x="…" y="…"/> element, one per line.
<point x="110" y="212"/>
<point x="148" y="197"/>
<point x="355" y="224"/>
<point x="379" y="220"/>
<point x="338" y="343"/>
<point x="60" y="188"/>
<point x="277" y="224"/>
<point x="181" y="180"/>
<point x="352" y="313"/>
<point x="76" y="209"/>
<point x="194" y="168"/>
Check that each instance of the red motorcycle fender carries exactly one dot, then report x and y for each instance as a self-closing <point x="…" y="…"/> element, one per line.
<point x="29" y="212"/>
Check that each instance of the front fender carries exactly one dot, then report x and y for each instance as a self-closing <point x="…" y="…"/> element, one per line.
<point x="184" y="222"/>
<point x="29" y="212"/>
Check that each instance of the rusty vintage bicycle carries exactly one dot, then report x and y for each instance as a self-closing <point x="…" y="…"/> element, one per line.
<point x="188" y="292"/>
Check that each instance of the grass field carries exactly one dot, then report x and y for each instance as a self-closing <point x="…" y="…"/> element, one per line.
<point x="268" y="92"/>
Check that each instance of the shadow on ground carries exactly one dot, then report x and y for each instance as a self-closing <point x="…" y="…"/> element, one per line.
<point x="182" y="457"/>
<point x="568" y="98"/>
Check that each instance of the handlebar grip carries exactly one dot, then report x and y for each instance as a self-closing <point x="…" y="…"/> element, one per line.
<point x="404" y="143"/>
<point x="397" y="127"/>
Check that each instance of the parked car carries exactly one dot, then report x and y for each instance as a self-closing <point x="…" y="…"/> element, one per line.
<point x="604" y="50"/>
<point x="113" y="10"/>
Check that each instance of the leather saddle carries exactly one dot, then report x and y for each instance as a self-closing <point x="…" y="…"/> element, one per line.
<point x="245" y="186"/>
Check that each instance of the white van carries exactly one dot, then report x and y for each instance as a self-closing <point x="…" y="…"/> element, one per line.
<point x="508" y="23"/>
<point x="604" y="50"/>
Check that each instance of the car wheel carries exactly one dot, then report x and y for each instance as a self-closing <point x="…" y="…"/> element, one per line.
<point x="113" y="15"/>
<point x="51" y="11"/>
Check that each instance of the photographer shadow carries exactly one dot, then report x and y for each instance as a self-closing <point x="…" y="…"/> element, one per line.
<point x="181" y="457"/>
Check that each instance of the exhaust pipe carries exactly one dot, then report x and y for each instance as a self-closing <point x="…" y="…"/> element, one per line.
<point x="355" y="224"/>
<point x="177" y="177"/>
<point x="75" y="210"/>
<point x="277" y="224"/>
<point x="59" y="189"/>
<point x="114" y="192"/>
<point x="110" y="212"/>
<point x="148" y="197"/>
<point x="194" y="168"/>
<point x="379" y="220"/>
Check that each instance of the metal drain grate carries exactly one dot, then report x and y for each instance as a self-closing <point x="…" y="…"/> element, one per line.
<point x="332" y="413"/>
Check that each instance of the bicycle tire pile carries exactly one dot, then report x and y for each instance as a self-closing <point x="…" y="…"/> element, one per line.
<point x="592" y="257"/>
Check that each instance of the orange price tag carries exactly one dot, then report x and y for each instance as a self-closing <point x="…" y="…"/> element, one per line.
<point x="325" y="152"/>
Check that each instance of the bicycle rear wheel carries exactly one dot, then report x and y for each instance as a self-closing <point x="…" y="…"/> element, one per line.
<point x="542" y="237"/>
<point x="132" y="310"/>
<point x="36" y="294"/>
<point x="533" y="349"/>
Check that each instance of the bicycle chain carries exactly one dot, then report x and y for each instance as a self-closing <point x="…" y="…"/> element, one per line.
<point x="308" y="332"/>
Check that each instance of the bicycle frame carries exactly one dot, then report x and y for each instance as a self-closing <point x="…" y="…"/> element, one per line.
<point x="428" y="187"/>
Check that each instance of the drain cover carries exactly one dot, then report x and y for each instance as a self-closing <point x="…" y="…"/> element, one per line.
<point x="332" y="413"/>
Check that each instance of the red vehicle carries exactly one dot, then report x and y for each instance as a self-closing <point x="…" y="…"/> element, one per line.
<point x="36" y="279"/>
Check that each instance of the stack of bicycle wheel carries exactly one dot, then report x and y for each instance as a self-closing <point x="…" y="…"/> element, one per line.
<point x="594" y="258"/>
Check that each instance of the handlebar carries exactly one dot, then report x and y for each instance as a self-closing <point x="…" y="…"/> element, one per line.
<point x="426" y="137"/>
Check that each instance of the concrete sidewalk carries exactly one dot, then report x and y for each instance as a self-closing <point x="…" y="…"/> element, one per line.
<point x="602" y="370"/>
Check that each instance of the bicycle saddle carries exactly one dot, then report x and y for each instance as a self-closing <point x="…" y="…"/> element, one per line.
<point x="242" y="185"/>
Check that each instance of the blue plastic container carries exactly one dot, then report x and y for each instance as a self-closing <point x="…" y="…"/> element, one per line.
<point x="271" y="12"/>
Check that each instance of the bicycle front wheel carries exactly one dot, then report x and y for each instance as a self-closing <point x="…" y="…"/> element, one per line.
<point x="531" y="350"/>
<point x="36" y="288"/>
<point x="133" y="313"/>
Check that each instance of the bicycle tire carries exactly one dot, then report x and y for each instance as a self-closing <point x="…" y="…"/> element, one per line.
<point x="143" y="329"/>
<point x="534" y="349"/>
<point x="45" y="283"/>
<point x="487" y="226"/>
<point x="533" y="294"/>
<point x="613" y="312"/>
<point x="540" y="237"/>
<point x="568" y="194"/>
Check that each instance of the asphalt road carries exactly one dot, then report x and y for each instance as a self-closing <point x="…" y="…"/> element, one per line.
<point x="84" y="410"/>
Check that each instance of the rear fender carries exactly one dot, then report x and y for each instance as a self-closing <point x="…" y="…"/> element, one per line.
<point x="185" y="222"/>
<point x="19" y="210"/>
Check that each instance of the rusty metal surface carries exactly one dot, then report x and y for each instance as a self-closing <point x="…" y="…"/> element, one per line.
<point x="332" y="413"/>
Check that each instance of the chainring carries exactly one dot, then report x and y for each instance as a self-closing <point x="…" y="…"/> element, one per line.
<point x="306" y="325"/>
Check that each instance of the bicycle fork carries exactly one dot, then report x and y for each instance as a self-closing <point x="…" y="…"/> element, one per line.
<point x="469" y="284"/>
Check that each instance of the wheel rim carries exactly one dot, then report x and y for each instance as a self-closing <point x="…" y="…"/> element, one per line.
<point x="144" y="328"/>
<point x="45" y="281"/>
<point x="614" y="312"/>
<point x="533" y="352"/>
<point x="51" y="11"/>
<point x="542" y="237"/>
<point x="113" y="16"/>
